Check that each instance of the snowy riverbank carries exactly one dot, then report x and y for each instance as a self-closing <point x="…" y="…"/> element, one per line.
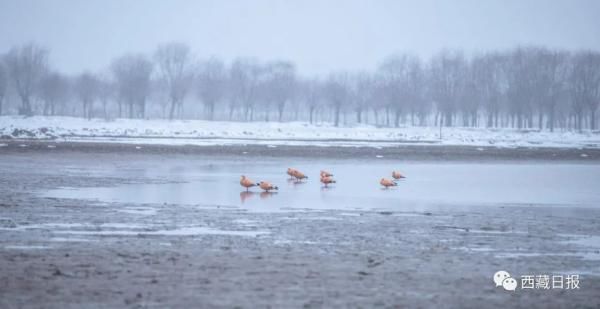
<point x="199" y="132"/>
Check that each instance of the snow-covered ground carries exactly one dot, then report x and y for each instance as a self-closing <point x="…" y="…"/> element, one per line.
<point x="198" y="132"/>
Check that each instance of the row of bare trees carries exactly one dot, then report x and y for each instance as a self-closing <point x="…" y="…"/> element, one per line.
<point x="526" y="87"/>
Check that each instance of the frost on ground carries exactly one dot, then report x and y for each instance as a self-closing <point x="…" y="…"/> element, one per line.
<point x="199" y="132"/>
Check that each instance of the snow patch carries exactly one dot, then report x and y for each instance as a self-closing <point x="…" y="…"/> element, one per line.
<point x="200" y="132"/>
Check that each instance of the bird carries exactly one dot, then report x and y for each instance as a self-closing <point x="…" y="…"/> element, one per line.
<point x="387" y="183"/>
<point x="291" y="171"/>
<point x="397" y="175"/>
<point x="327" y="180"/>
<point x="267" y="186"/>
<point x="299" y="175"/>
<point x="247" y="183"/>
<point x="326" y="174"/>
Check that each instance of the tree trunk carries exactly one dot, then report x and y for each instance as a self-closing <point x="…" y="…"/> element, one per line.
<point x="171" y="112"/>
<point x="448" y="120"/>
<point x="104" y="103"/>
<point x="246" y="112"/>
<point x="551" y="118"/>
<point x="143" y="108"/>
<point x="387" y="116"/>
<point x="336" y="120"/>
<point x="593" y="119"/>
<point x="311" y="112"/>
<point x="25" y="107"/>
<point x="211" y="111"/>
<point x="359" y="115"/>
<point x="397" y="118"/>
<point x="280" y="108"/>
<point x="231" y="109"/>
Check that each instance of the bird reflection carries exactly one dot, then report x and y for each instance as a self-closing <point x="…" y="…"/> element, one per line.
<point x="295" y="182"/>
<point x="266" y="195"/>
<point x="244" y="195"/>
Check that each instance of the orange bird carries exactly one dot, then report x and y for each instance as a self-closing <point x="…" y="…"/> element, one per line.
<point x="387" y="183"/>
<point x="267" y="186"/>
<point x="247" y="183"/>
<point x="326" y="174"/>
<point x="291" y="172"/>
<point x="327" y="180"/>
<point x="299" y="175"/>
<point x="397" y="175"/>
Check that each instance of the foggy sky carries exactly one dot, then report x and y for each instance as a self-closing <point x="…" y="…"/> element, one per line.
<point x="319" y="36"/>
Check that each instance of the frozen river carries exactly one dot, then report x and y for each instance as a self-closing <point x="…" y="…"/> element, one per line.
<point x="428" y="186"/>
<point x="117" y="223"/>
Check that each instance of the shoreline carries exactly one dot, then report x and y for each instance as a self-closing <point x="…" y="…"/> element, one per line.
<point x="402" y="152"/>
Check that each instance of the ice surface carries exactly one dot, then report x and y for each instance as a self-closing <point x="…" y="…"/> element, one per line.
<point x="429" y="186"/>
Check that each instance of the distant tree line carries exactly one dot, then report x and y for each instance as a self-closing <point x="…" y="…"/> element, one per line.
<point x="525" y="87"/>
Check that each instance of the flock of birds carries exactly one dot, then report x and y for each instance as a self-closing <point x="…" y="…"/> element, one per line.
<point x="326" y="179"/>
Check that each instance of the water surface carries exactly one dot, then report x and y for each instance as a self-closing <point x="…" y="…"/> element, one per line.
<point x="427" y="186"/>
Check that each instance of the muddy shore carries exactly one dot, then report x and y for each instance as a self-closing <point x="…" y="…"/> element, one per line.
<point x="421" y="152"/>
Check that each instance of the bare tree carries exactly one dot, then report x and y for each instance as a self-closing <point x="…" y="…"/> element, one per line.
<point x="553" y="69"/>
<point x="336" y="90"/>
<point x="393" y="73"/>
<point x="311" y="93"/>
<point x="175" y="65"/>
<point x="212" y="83"/>
<point x="362" y="93"/>
<point x="132" y="75"/>
<point x="471" y="95"/>
<point x="488" y="72"/>
<point x="26" y="66"/>
<point x="446" y="82"/>
<point x="281" y="83"/>
<point x="53" y="90"/>
<point x="106" y="92"/>
<point x="245" y="77"/>
<point x="416" y="91"/>
<point x="3" y="85"/>
<point x="585" y="79"/>
<point x="87" y="90"/>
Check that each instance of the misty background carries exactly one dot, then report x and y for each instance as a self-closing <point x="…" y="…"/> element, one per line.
<point x="520" y="64"/>
<point x="319" y="36"/>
